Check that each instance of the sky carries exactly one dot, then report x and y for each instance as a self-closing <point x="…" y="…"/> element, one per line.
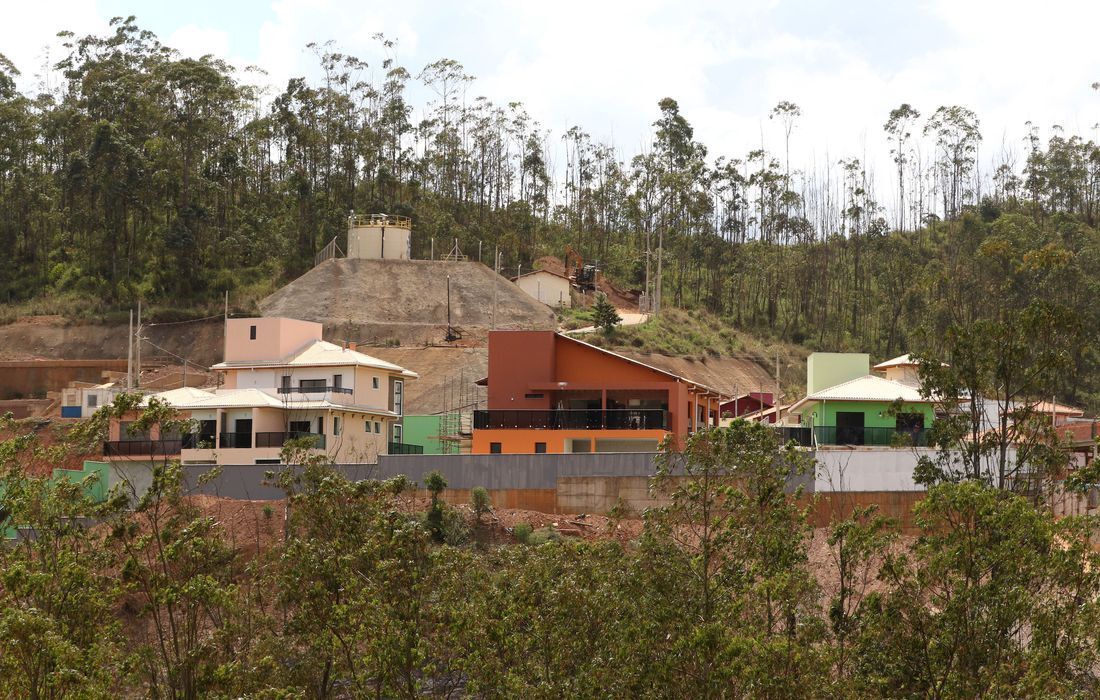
<point x="605" y="65"/>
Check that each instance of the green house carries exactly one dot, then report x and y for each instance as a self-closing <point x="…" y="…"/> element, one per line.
<point x="96" y="490"/>
<point x="434" y="433"/>
<point x="846" y="404"/>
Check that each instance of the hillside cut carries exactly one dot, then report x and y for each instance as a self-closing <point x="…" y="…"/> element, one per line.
<point x="406" y="300"/>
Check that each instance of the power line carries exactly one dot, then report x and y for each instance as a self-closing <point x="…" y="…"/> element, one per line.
<point x="176" y="323"/>
<point x="181" y="359"/>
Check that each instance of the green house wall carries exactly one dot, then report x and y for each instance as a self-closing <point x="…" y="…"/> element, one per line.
<point x="425" y="431"/>
<point x="96" y="491"/>
<point x="875" y="413"/>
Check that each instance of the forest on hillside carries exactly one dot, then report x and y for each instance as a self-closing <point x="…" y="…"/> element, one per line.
<point x="146" y="174"/>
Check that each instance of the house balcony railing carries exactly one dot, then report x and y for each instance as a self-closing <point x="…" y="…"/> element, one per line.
<point x="403" y="448"/>
<point x="314" y="390"/>
<point x="573" y="419"/>
<point x="142" y="448"/>
<point x="280" y="439"/>
<point x="841" y="435"/>
<point x="234" y="440"/>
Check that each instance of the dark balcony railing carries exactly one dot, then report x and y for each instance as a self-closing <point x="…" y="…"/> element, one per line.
<point x="801" y="436"/>
<point x="402" y="448"/>
<point x="280" y="439"/>
<point x="198" y="441"/>
<point x="134" y="448"/>
<point x="314" y="390"/>
<point x="231" y="440"/>
<point x="840" y="435"/>
<point x="574" y="419"/>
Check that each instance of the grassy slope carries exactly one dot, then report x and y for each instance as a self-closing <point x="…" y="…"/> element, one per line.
<point x="700" y="335"/>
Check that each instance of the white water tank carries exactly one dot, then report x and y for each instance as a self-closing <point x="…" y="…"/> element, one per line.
<point x="379" y="237"/>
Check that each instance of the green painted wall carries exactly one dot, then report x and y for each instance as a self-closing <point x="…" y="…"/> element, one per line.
<point x="826" y="369"/>
<point x="871" y="410"/>
<point x="97" y="491"/>
<point x="424" y="431"/>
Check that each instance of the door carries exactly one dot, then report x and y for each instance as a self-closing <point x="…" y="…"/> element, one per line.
<point x="242" y="428"/>
<point x="849" y="428"/>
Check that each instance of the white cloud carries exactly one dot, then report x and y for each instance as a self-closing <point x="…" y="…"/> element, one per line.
<point x="194" y="41"/>
<point x="28" y="34"/>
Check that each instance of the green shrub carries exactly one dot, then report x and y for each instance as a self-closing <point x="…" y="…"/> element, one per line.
<point x="542" y="536"/>
<point x="480" y="501"/>
<point x="522" y="531"/>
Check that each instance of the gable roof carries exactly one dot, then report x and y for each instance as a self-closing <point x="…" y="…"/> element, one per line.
<point x="869" y="387"/>
<point x="899" y="361"/>
<point x="541" y="271"/>
<point x="321" y="353"/>
<point x="693" y="384"/>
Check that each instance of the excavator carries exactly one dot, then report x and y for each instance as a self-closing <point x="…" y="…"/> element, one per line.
<point x="584" y="276"/>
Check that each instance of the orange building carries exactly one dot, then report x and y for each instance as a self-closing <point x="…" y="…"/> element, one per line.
<point x="551" y="393"/>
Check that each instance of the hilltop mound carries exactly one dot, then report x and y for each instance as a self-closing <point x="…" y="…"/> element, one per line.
<point x="406" y="300"/>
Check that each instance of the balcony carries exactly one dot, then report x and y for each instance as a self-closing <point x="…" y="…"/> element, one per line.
<point x="235" y="440"/>
<point x="853" y="436"/>
<point x="401" y="448"/>
<point x="314" y="390"/>
<point x="574" y="419"/>
<point x="142" y="448"/>
<point x="280" y="439"/>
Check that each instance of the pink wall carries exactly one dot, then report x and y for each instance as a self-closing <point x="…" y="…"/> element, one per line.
<point x="275" y="339"/>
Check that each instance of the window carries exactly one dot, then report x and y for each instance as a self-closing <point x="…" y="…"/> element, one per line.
<point x="252" y="332"/>
<point x="397" y="432"/>
<point x="337" y="381"/>
<point x="374" y="382"/>
<point x="540" y="448"/>
<point x="366" y="424"/>
<point x="311" y="385"/>
<point x="336" y="425"/>
<point x="299" y="426"/>
<point x="320" y="425"/>
<point x="533" y="396"/>
<point x="494" y="448"/>
<point x="398" y="397"/>
<point x="377" y="427"/>
<point x="267" y="461"/>
<point x="93" y="400"/>
<point x="286" y="383"/>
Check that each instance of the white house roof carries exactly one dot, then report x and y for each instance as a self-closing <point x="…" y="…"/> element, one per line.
<point x="189" y="399"/>
<point x="899" y="361"/>
<point x="321" y="353"/>
<point x="866" y="388"/>
<point x="869" y="388"/>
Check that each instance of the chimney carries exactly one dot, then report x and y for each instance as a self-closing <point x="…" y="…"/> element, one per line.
<point x="352" y="346"/>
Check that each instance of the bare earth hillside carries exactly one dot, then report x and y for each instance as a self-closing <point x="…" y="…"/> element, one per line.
<point x="379" y="301"/>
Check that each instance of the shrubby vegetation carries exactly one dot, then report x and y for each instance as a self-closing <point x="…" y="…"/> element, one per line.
<point x="354" y="595"/>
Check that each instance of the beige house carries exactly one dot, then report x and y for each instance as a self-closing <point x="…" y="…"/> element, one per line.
<point x="281" y="382"/>
<point x="548" y="287"/>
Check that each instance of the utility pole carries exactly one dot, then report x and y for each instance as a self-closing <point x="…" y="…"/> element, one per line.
<point x="433" y="249"/>
<point x="137" y="375"/>
<point x="225" y="326"/>
<point x="496" y="269"/>
<point x="479" y="251"/>
<point x="776" y="398"/>
<point x="130" y="354"/>
<point x="660" y="257"/>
